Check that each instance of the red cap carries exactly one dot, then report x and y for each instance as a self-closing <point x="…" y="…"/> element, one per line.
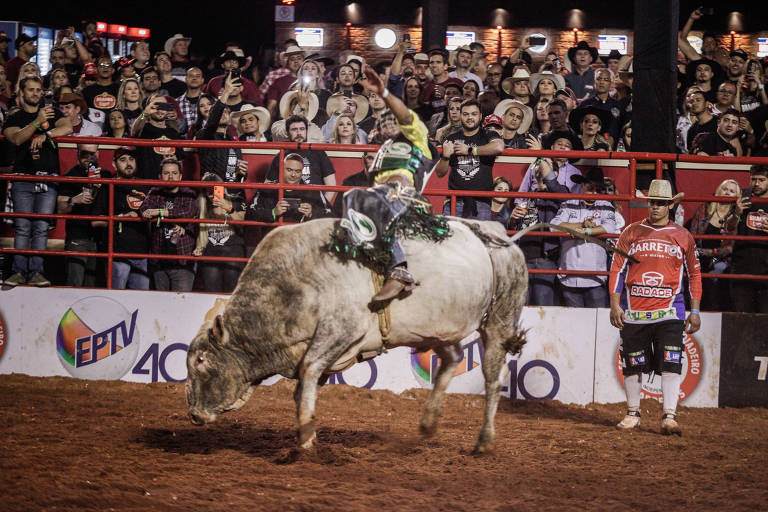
<point x="90" y="69"/>
<point x="491" y="120"/>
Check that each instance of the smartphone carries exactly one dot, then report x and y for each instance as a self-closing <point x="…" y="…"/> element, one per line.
<point x="537" y="40"/>
<point x="234" y="73"/>
<point x="293" y="202"/>
<point x="218" y="192"/>
<point x="165" y="107"/>
<point x="406" y="37"/>
<point x="746" y="192"/>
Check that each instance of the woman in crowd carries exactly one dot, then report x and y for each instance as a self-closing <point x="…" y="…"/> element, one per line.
<point x="117" y="125"/>
<point x="454" y="119"/>
<point x="588" y="123"/>
<point x="129" y="100"/>
<point x="541" y="118"/>
<point x="59" y="77"/>
<point x="501" y="207"/>
<point x="714" y="254"/>
<point x="309" y="79"/>
<point x="344" y="131"/>
<point x="219" y="239"/>
<point x="204" y="105"/>
<point x="470" y="90"/>
<point x="412" y="97"/>
<point x="545" y="83"/>
<point x="625" y="140"/>
<point x="751" y="94"/>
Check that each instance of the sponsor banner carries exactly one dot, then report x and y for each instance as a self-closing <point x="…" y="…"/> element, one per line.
<point x="700" y="358"/>
<point x="744" y="361"/>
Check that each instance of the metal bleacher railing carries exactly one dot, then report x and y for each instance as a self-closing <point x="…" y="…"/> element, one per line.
<point x="282" y="148"/>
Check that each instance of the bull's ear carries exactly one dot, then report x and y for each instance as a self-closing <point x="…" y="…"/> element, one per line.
<point x="218" y="329"/>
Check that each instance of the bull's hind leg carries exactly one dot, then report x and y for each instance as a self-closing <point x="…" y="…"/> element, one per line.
<point x="493" y="361"/>
<point x="449" y="358"/>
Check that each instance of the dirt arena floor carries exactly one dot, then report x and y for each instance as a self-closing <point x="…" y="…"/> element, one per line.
<point x="83" y="445"/>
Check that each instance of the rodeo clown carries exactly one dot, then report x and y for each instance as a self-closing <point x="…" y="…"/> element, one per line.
<point x="647" y="303"/>
<point x="374" y="218"/>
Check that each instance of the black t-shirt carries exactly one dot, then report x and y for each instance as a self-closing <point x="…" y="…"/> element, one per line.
<point x="751" y="256"/>
<point x="712" y="144"/>
<point x="102" y="97"/>
<point x="174" y="87"/>
<point x="82" y="229"/>
<point x="469" y="172"/>
<point x="696" y="128"/>
<point x="150" y="157"/>
<point x="317" y="166"/>
<point x="131" y="237"/>
<point x="516" y="142"/>
<point x="46" y="158"/>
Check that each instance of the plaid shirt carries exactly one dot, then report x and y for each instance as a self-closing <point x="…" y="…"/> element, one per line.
<point x="180" y="205"/>
<point x="271" y="77"/>
<point x="188" y="109"/>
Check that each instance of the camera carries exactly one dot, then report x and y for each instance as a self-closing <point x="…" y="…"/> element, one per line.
<point x="537" y="40"/>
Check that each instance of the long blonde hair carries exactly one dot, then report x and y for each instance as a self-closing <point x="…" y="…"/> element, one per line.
<point x="335" y="134"/>
<point x="121" y="103"/>
<point x="712" y="205"/>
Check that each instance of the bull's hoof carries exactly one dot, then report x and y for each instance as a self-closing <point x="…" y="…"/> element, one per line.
<point x="482" y="449"/>
<point x="307" y="436"/>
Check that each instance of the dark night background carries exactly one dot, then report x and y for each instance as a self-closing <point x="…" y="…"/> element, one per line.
<point x="251" y="22"/>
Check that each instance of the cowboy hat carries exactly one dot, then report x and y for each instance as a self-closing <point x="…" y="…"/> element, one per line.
<point x="504" y="105"/>
<point x="593" y="175"/>
<point x="236" y="54"/>
<point x="172" y="41"/>
<point x="660" y="190"/>
<point x="615" y="54"/>
<point x="577" y="115"/>
<point x="76" y="99"/>
<point x="261" y="114"/>
<point x="421" y="58"/>
<point x="288" y="100"/>
<point x="292" y="49"/>
<point x="718" y="75"/>
<point x="335" y="102"/>
<point x="625" y="65"/>
<point x="519" y="74"/>
<point x="583" y="45"/>
<point x="558" y="80"/>
<point x="549" y="140"/>
<point x="316" y="57"/>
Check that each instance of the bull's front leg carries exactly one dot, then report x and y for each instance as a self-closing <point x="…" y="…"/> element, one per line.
<point x="320" y="355"/>
<point x="449" y="358"/>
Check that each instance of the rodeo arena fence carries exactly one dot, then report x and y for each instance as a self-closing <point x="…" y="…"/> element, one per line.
<point x="571" y="355"/>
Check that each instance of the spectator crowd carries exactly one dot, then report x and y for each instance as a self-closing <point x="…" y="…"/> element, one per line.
<point x="473" y="108"/>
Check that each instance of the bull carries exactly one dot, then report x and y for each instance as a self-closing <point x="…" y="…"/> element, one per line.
<point x="302" y="312"/>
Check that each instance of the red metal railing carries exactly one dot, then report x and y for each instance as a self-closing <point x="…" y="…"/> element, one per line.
<point x="110" y="255"/>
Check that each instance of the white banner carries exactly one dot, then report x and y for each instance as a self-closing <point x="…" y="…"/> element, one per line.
<point x="142" y="336"/>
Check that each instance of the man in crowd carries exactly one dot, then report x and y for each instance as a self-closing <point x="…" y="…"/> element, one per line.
<point x="153" y="124"/>
<point x="150" y="81"/>
<point x="463" y="62"/>
<point x="57" y="60"/>
<point x="228" y="61"/>
<point x="721" y="142"/>
<point x="402" y="67"/>
<point x="751" y="256"/>
<point x="345" y="80"/>
<point x="581" y="79"/>
<point x="469" y="155"/>
<point x="26" y="48"/>
<point x="318" y="169"/>
<point x="648" y="306"/>
<point x="493" y="78"/>
<point x="140" y="54"/>
<point x="169" y="85"/>
<point x="78" y="199"/>
<point x="516" y="87"/>
<point x="602" y="100"/>
<point x="557" y="111"/>
<point x="517" y="119"/>
<point x="705" y="122"/>
<point x="172" y="202"/>
<point x="73" y="107"/>
<point x="421" y="67"/>
<point x="726" y="96"/>
<point x="591" y="217"/>
<point x="434" y="91"/>
<point x="356" y="107"/>
<point x="737" y="65"/>
<point x="129" y="237"/>
<point x="294" y="58"/>
<point x="178" y="48"/>
<point x="188" y="100"/>
<point x="102" y="95"/>
<point x="31" y="130"/>
<point x="707" y="75"/>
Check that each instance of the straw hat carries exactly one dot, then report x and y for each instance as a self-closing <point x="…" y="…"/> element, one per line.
<point x="660" y="190"/>
<point x="287" y="102"/>
<point x="261" y="114"/>
<point x="520" y="74"/>
<point x="558" y="80"/>
<point x="504" y="105"/>
<point x="336" y="101"/>
<point x="172" y="41"/>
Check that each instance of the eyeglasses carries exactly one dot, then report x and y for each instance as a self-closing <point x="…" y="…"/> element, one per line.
<point x="105" y="65"/>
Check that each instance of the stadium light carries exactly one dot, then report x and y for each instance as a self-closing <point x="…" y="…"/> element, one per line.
<point x="385" y="38"/>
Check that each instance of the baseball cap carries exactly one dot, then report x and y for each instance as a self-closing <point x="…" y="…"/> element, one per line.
<point x="24" y="39"/>
<point x="491" y="120"/>
<point x="125" y="150"/>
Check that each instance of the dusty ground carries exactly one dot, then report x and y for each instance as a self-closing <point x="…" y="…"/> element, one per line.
<point x="76" y="445"/>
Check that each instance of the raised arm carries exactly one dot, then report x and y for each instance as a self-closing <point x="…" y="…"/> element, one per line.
<point x="373" y="83"/>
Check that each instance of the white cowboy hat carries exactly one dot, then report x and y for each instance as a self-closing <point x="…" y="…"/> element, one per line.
<point x="261" y="114"/>
<point x="660" y="190"/>
<point x="172" y="41"/>
<point x="334" y="104"/>
<point x="538" y="77"/>
<point x="292" y="49"/>
<point x="504" y="105"/>
<point x="286" y="105"/>
<point x="520" y="74"/>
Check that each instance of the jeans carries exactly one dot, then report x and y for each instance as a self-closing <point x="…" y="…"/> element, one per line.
<point x="541" y="287"/>
<point x="81" y="271"/>
<point x="483" y="210"/>
<point x="592" y="297"/>
<point x="221" y="276"/>
<point x="31" y="233"/>
<point x="177" y="279"/>
<point x="130" y="273"/>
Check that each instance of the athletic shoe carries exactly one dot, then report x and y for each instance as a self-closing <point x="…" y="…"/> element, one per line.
<point x="39" y="280"/>
<point x="630" y="421"/>
<point x="15" y="280"/>
<point x="669" y="424"/>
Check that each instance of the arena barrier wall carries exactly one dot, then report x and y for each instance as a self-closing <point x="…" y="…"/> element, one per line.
<point x="744" y="361"/>
<point x="142" y="336"/>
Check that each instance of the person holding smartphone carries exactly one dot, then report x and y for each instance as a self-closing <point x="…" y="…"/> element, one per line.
<point x="751" y="256"/>
<point x="153" y="124"/>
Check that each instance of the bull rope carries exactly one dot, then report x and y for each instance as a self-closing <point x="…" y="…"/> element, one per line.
<point x="385" y="319"/>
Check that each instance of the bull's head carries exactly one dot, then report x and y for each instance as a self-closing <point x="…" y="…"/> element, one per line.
<point x="217" y="379"/>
